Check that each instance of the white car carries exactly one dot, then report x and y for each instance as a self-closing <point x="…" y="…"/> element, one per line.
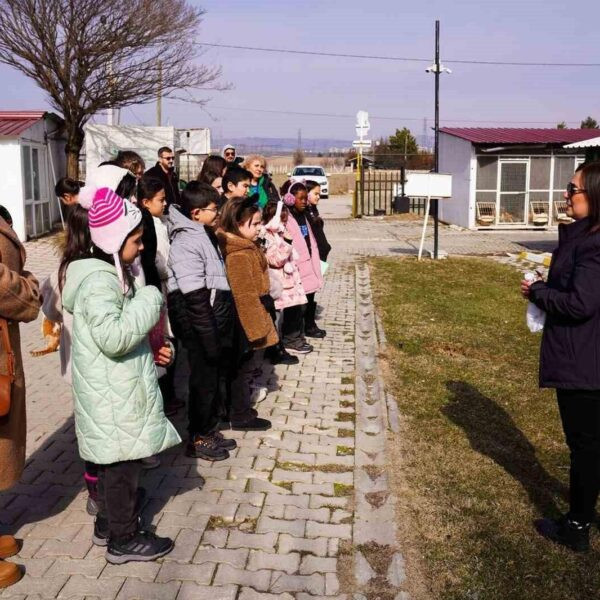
<point x="312" y="173"/>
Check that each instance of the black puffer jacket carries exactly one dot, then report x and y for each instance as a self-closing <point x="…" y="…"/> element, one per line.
<point x="148" y="256"/>
<point x="318" y="229"/>
<point x="570" y="353"/>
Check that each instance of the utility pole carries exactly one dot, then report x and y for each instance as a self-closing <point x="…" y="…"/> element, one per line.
<point x="159" y="96"/>
<point x="436" y="224"/>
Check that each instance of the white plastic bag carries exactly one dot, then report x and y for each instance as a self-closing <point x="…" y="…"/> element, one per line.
<point x="535" y="317"/>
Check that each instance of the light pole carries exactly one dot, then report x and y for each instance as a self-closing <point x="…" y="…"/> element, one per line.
<point x="436" y="68"/>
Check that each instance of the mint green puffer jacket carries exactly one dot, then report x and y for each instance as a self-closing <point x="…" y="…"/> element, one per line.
<point x="117" y="402"/>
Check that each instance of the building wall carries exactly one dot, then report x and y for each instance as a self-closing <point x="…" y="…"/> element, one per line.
<point x="456" y="157"/>
<point x="11" y="184"/>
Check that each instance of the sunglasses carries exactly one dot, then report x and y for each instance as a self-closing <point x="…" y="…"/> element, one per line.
<point x="572" y="189"/>
<point x="169" y="157"/>
<point x="229" y="153"/>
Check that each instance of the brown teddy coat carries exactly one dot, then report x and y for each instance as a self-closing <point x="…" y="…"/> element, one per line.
<point x="249" y="280"/>
<point x="19" y="301"/>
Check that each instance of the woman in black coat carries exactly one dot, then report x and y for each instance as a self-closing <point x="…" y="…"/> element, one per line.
<point x="570" y="352"/>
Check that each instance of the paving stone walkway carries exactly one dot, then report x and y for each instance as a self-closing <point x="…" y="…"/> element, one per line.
<point x="295" y="511"/>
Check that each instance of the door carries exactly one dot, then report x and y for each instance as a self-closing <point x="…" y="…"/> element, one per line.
<point x="35" y="189"/>
<point x="512" y="195"/>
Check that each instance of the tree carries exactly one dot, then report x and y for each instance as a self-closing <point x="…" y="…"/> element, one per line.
<point x="91" y="55"/>
<point x="561" y="125"/>
<point x="589" y="123"/>
<point x="404" y="142"/>
<point x="298" y="157"/>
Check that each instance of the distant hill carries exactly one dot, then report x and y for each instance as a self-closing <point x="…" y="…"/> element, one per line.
<point x="271" y="146"/>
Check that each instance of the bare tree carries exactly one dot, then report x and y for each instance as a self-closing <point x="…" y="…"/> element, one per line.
<point x="91" y="55"/>
<point x="298" y="157"/>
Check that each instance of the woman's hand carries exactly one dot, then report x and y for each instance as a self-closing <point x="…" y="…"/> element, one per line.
<point x="164" y="356"/>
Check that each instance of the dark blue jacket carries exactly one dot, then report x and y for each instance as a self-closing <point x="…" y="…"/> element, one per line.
<point x="570" y="353"/>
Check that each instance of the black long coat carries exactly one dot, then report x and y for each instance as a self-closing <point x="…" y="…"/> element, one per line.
<point x="570" y="353"/>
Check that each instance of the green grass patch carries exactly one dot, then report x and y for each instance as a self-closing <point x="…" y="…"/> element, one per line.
<point x="341" y="489"/>
<point x="481" y="454"/>
<point x="344" y="451"/>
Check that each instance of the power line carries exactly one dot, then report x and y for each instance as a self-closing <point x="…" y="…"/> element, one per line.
<point x="386" y="118"/>
<point x="399" y="58"/>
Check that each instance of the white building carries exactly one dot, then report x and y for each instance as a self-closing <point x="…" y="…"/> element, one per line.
<point x="32" y="159"/>
<point x="507" y="177"/>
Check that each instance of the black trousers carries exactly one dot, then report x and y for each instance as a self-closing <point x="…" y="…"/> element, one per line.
<point x="310" y="312"/>
<point x="167" y="385"/>
<point x="292" y="327"/>
<point x="117" y="496"/>
<point x="580" y="415"/>
<point x="204" y="392"/>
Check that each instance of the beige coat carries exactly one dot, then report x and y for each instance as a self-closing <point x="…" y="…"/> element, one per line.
<point x="19" y="302"/>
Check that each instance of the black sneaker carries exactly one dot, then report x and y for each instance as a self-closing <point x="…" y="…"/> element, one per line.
<point x="256" y="424"/>
<point x="284" y="358"/>
<point x="302" y="348"/>
<point x="101" y="531"/>
<point x="206" y="447"/>
<point x="315" y="332"/>
<point x="141" y="546"/>
<point x="566" y="532"/>
<point x="224" y="442"/>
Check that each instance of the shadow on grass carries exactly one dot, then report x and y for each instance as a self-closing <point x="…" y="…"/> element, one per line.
<point x="492" y="432"/>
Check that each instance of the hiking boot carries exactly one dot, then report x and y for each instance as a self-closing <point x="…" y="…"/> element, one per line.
<point x="9" y="574"/>
<point x="206" y="447"/>
<point x="140" y="546"/>
<point x="315" y="332"/>
<point x="301" y="348"/>
<point x="255" y="424"/>
<point x="224" y="442"/>
<point x="8" y="546"/>
<point x="566" y="532"/>
<point x="150" y="462"/>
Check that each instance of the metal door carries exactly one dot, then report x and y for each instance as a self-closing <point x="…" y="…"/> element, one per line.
<point x="35" y="189"/>
<point x="512" y="192"/>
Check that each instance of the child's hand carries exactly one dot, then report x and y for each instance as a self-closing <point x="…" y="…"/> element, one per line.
<point x="164" y="356"/>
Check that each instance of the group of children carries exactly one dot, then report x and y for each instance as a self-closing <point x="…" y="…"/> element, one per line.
<point x="230" y="276"/>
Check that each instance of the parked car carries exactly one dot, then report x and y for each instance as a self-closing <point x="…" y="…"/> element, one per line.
<point x="312" y="173"/>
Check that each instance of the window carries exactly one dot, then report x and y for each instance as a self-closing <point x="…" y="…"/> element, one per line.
<point x="487" y="173"/>
<point x="308" y="171"/>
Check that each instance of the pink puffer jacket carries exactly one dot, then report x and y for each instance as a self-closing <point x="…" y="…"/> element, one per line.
<point x="308" y="265"/>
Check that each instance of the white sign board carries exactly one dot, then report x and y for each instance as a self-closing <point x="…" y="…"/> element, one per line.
<point x="361" y="143"/>
<point x="428" y="185"/>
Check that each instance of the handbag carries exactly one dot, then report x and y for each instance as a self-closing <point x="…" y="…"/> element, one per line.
<point x="7" y="380"/>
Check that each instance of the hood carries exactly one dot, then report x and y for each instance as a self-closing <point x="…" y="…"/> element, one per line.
<point x="77" y="272"/>
<point x="234" y="243"/>
<point x="177" y="222"/>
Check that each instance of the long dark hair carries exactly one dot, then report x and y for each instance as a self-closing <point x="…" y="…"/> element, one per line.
<point x="212" y="168"/>
<point x="590" y="175"/>
<point x="78" y="244"/>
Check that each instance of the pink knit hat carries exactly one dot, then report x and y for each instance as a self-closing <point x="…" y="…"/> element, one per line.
<point x="111" y="219"/>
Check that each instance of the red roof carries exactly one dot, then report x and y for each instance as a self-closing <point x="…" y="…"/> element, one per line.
<point x="13" y="123"/>
<point x="507" y="135"/>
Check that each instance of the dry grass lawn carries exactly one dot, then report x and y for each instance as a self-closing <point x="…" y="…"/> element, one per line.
<point x="481" y="452"/>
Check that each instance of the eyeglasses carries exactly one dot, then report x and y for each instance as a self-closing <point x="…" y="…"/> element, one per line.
<point x="572" y="189"/>
<point x="214" y="210"/>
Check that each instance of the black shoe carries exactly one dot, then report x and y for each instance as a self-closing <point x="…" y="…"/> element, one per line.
<point x="224" y="442"/>
<point x="302" y="348"/>
<point x="315" y="332"/>
<point x="141" y="546"/>
<point x="566" y="532"/>
<point x="284" y="358"/>
<point x="101" y="531"/>
<point x="206" y="447"/>
<point x="256" y="424"/>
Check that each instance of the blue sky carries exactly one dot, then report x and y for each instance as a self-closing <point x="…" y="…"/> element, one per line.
<point x="522" y="30"/>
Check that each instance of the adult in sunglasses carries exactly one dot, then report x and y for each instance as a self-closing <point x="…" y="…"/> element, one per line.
<point x="164" y="170"/>
<point x="570" y="352"/>
<point x="230" y="156"/>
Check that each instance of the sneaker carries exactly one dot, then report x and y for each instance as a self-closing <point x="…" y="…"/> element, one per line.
<point x="283" y="358"/>
<point x="206" y="447"/>
<point x="91" y="483"/>
<point x="224" y="442"/>
<point x="150" y="462"/>
<point x="302" y="348"/>
<point x="315" y="332"/>
<point x="256" y="424"/>
<point x="566" y="532"/>
<point x="258" y="395"/>
<point x="101" y="531"/>
<point x="91" y="507"/>
<point x="141" y="546"/>
<point x="9" y="574"/>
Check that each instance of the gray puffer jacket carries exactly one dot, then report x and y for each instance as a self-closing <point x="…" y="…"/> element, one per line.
<point x="194" y="262"/>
